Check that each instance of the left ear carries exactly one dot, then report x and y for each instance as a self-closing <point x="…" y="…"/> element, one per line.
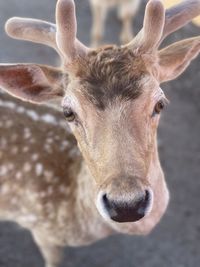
<point x="174" y="59"/>
<point x="31" y="82"/>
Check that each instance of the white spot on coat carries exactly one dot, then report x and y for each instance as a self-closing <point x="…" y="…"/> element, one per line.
<point x="27" y="133"/>
<point x="39" y="169"/>
<point x="18" y="175"/>
<point x="29" y="218"/>
<point x="4" y="189"/>
<point x="35" y="157"/>
<point x="27" y="167"/>
<point x="3" y="170"/>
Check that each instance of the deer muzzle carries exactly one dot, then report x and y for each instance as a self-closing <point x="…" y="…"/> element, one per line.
<point x="124" y="199"/>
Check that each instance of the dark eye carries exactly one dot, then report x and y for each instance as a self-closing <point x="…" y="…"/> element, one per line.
<point x="159" y="107"/>
<point x="69" y="114"/>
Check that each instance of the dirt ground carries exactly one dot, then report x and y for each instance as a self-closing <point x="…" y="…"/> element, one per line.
<point x="175" y="241"/>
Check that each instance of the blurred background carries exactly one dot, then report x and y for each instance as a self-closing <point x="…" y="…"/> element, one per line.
<point x="175" y="241"/>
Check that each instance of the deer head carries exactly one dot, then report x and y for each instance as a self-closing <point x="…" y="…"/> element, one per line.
<point x="111" y="98"/>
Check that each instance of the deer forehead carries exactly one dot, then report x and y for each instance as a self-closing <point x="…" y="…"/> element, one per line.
<point x="110" y="74"/>
<point x="118" y="108"/>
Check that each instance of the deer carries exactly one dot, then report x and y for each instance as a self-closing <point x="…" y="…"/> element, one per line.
<point x="100" y="175"/>
<point x="127" y="10"/>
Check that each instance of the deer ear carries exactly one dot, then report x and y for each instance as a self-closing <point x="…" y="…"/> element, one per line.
<point x="30" y="82"/>
<point x="174" y="59"/>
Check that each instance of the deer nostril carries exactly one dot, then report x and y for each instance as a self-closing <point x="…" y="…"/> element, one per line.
<point x="109" y="206"/>
<point x="144" y="204"/>
<point x="127" y="210"/>
<point x="105" y="200"/>
<point x="148" y="196"/>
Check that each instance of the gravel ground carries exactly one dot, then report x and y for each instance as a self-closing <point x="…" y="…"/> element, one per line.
<point x="175" y="241"/>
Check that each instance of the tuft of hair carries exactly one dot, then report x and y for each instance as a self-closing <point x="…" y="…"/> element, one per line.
<point x="108" y="73"/>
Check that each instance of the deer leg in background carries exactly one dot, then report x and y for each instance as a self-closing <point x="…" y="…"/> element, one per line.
<point x="126" y="13"/>
<point x="99" y="14"/>
<point x="52" y="254"/>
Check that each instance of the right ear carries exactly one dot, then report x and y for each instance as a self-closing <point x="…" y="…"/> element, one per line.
<point x="31" y="82"/>
<point x="174" y="59"/>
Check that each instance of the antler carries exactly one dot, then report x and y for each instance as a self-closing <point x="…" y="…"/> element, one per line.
<point x="179" y="15"/>
<point x="67" y="30"/>
<point x="61" y="37"/>
<point x="159" y="24"/>
<point x="152" y="30"/>
<point x="33" y="30"/>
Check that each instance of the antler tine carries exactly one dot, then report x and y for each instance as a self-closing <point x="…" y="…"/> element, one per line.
<point x="67" y="30"/>
<point x="179" y="15"/>
<point x="33" y="30"/>
<point x="61" y="37"/>
<point x="152" y="30"/>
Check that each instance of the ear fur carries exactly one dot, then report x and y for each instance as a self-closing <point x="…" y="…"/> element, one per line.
<point x="31" y="82"/>
<point x="174" y="59"/>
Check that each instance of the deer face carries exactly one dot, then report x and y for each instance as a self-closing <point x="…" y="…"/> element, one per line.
<point x="111" y="98"/>
<point x="113" y="106"/>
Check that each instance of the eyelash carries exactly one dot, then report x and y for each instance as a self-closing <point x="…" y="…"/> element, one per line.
<point x="70" y="116"/>
<point x="160" y="105"/>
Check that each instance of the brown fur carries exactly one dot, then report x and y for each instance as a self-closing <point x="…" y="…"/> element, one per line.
<point x="109" y="73"/>
<point x="37" y="189"/>
<point x="57" y="194"/>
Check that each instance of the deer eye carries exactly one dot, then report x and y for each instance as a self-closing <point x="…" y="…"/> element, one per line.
<point x="69" y="114"/>
<point x="160" y="105"/>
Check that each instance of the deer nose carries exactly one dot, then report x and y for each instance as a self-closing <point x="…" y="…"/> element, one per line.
<point x="130" y="210"/>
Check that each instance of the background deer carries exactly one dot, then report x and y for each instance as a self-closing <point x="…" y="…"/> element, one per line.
<point x="112" y="101"/>
<point x="126" y="12"/>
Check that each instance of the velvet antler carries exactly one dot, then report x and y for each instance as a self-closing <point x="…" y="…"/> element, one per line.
<point x="159" y="24"/>
<point x="61" y="37"/>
